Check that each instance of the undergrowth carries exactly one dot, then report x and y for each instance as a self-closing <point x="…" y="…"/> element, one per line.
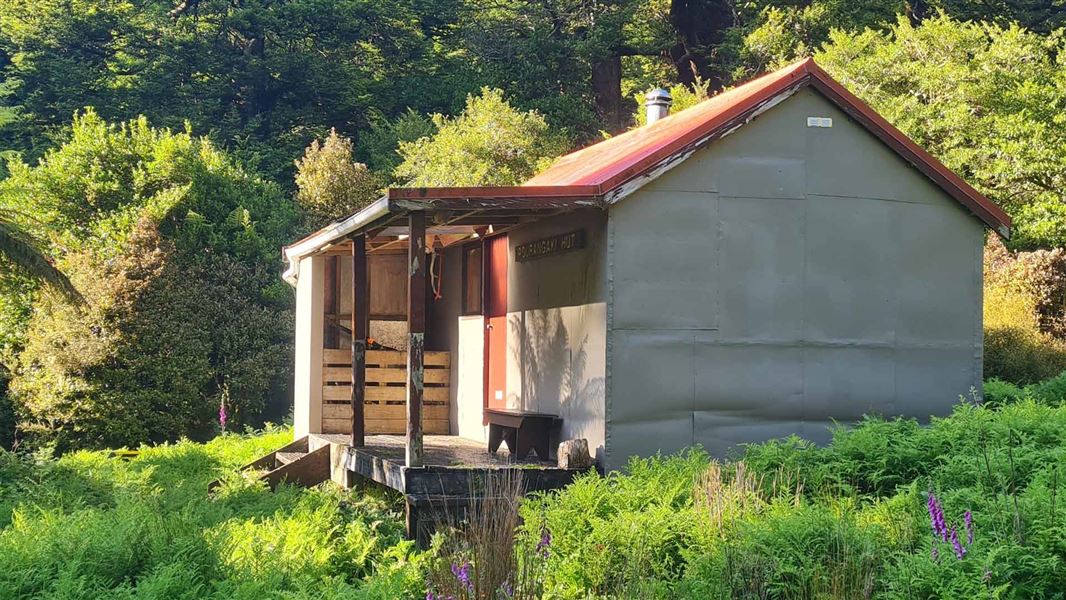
<point x="968" y="506"/>
<point x="91" y="526"/>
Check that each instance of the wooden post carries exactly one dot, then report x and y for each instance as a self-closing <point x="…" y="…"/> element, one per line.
<point x="360" y="332"/>
<point x="416" y="329"/>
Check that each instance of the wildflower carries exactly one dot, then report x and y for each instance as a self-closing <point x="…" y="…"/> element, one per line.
<point x="956" y="545"/>
<point x="967" y="520"/>
<point x="462" y="574"/>
<point x="936" y="518"/>
<point x="545" y="542"/>
<point x="431" y="596"/>
<point x="222" y="415"/>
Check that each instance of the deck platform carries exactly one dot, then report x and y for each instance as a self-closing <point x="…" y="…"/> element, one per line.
<point x="454" y="474"/>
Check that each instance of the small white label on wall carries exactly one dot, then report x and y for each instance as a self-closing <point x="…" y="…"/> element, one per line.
<point x="819" y="122"/>
<point x="499" y="394"/>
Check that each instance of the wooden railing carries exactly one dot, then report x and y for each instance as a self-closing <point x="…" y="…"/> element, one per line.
<point x="386" y="392"/>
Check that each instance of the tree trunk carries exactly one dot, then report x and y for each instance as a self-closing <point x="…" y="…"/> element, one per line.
<point x="917" y="11"/>
<point x="607" y="90"/>
<point x="701" y="26"/>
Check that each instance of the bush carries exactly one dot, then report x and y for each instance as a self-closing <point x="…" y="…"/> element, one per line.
<point x="997" y="392"/>
<point x="1051" y="392"/>
<point x="1020" y="346"/>
<point x="176" y="250"/>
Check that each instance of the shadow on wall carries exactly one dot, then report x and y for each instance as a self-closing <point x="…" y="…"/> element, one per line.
<point x="554" y="376"/>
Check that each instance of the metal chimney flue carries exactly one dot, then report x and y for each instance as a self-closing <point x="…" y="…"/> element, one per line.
<point x="657" y="102"/>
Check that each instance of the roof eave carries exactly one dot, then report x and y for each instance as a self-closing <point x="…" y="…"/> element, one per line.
<point x="330" y="234"/>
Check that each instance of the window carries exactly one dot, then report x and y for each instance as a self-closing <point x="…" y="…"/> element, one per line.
<point x="472" y="279"/>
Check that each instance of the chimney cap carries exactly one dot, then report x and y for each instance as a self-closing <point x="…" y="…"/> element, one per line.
<point x="658" y="96"/>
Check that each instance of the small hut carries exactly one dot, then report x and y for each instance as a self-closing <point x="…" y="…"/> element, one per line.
<point x="767" y="262"/>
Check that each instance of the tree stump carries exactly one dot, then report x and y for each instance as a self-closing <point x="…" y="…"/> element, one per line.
<point x="574" y="454"/>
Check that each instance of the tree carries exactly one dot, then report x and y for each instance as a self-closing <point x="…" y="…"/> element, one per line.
<point x="175" y="248"/>
<point x="988" y="101"/>
<point x="330" y="185"/>
<point x="261" y="77"/>
<point x="490" y="143"/>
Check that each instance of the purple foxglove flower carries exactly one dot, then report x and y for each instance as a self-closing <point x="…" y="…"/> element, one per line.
<point x="967" y="519"/>
<point x="222" y="416"/>
<point x="462" y="574"/>
<point x="936" y="518"/>
<point x="956" y="545"/>
<point x="545" y="542"/>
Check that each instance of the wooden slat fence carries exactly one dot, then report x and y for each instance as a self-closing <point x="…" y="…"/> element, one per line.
<point x="386" y="394"/>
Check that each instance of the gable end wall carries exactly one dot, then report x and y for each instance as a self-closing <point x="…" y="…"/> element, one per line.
<point x="783" y="278"/>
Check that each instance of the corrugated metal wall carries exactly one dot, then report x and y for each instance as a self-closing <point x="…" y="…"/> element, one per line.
<point x="785" y="277"/>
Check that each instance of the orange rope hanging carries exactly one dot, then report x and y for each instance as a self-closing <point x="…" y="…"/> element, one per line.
<point x="435" y="277"/>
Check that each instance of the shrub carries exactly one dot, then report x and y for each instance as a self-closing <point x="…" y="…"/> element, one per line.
<point x="490" y="143"/>
<point x="175" y="249"/>
<point x="1016" y="347"/>
<point x="330" y="185"/>
<point x="997" y="392"/>
<point x="1050" y="391"/>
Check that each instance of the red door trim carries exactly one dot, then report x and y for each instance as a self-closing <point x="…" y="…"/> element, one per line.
<point x="494" y="256"/>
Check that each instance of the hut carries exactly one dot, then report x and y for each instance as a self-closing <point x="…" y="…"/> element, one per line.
<point x="767" y="262"/>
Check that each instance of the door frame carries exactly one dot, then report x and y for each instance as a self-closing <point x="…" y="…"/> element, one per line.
<point x="486" y="310"/>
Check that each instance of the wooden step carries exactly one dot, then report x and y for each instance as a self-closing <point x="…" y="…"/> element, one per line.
<point x="284" y="458"/>
<point x="308" y="469"/>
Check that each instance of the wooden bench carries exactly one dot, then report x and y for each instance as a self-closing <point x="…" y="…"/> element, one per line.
<point x="522" y="430"/>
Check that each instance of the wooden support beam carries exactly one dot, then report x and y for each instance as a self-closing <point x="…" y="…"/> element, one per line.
<point x="360" y="332"/>
<point x="416" y="330"/>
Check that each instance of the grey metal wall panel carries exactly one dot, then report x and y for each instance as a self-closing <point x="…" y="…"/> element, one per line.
<point x="697" y="174"/>
<point x="762" y="250"/>
<point x="655" y="370"/>
<point x="844" y="383"/>
<point x="763" y="177"/>
<point x="930" y="380"/>
<point x="826" y="279"/>
<point x="927" y="311"/>
<point x="759" y="381"/>
<point x="852" y="269"/>
<point x="666" y="263"/>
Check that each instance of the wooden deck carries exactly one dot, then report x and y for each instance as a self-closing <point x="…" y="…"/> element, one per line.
<point x="455" y="474"/>
<point x="454" y="466"/>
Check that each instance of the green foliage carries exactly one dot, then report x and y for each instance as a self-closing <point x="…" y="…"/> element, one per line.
<point x="1023" y="313"/>
<point x="490" y="143"/>
<point x="263" y="77"/>
<point x="848" y="520"/>
<point x="89" y="526"/>
<point x="681" y="95"/>
<point x="19" y="252"/>
<point x="330" y="185"/>
<point x="987" y="100"/>
<point x="175" y="249"/>
<point x="997" y="392"/>
<point x="380" y="146"/>
<point x="1051" y="392"/>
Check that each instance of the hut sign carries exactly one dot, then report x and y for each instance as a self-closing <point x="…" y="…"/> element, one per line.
<point x="549" y="246"/>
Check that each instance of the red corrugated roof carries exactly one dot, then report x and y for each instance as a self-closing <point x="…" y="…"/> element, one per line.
<point x="602" y="168"/>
